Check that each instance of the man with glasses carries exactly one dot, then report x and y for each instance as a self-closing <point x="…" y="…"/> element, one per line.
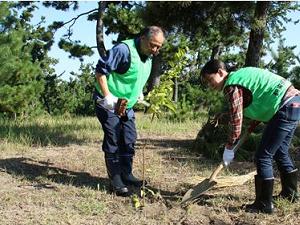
<point x="120" y="78"/>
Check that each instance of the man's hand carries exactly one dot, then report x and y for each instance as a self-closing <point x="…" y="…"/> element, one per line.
<point x="228" y="156"/>
<point x="121" y="106"/>
<point x="110" y="101"/>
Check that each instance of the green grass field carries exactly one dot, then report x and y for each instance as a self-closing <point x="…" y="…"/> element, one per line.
<point x="65" y="130"/>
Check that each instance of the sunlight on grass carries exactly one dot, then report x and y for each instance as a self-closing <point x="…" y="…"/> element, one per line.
<point x="165" y="127"/>
<point x="90" y="207"/>
<point x="65" y="130"/>
<point x="46" y="130"/>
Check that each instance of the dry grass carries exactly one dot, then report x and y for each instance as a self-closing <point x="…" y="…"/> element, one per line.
<point x="52" y="172"/>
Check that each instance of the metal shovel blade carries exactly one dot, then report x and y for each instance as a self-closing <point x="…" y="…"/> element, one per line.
<point x="202" y="187"/>
<point x="198" y="190"/>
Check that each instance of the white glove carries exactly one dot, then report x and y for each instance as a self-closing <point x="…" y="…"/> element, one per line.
<point x="228" y="156"/>
<point x="110" y="101"/>
<point x="141" y="97"/>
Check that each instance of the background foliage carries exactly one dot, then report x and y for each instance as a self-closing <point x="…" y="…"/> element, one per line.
<point x="196" y="32"/>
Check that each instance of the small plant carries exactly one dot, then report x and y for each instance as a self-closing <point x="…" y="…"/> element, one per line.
<point x="160" y="97"/>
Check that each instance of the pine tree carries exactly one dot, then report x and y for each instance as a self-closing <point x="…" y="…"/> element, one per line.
<point x="21" y="80"/>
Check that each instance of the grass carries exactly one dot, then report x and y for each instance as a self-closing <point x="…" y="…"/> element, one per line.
<point x="48" y="131"/>
<point x="65" y="130"/>
<point x="52" y="172"/>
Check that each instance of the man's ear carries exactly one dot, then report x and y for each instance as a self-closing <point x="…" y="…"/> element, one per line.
<point x="143" y="37"/>
<point x="222" y="72"/>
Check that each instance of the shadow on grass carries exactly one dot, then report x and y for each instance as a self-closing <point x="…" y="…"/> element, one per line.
<point x="167" y="143"/>
<point x="172" y="149"/>
<point x="40" y="172"/>
<point x="208" y="200"/>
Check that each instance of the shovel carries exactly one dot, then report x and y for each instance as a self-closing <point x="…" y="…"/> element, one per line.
<point x="208" y="183"/>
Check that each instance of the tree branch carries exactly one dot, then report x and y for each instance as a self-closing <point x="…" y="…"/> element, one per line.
<point x="77" y="17"/>
<point x="73" y="20"/>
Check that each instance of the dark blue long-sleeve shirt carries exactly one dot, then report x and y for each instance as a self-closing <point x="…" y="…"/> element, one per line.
<point x="117" y="59"/>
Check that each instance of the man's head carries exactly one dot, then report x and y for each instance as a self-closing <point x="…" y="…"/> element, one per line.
<point x="213" y="74"/>
<point x="151" y="40"/>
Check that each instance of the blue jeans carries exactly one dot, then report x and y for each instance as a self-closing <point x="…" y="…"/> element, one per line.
<point x="276" y="139"/>
<point x="119" y="133"/>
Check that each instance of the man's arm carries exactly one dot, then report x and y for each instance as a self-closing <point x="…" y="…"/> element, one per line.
<point x="102" y="80"/>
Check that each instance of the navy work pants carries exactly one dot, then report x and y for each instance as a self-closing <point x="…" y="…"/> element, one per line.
<point x="119" y="133"/>
<point x="276" y="139"/>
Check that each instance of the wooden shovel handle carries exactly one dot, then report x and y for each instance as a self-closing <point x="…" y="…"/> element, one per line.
<point x="216" y="171"/>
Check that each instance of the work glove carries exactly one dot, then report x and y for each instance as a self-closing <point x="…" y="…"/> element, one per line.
<point x="141" y="98"/>
<point x="110" y="101"/>
<point x="228" y="156"/>
<point x="142" y="101"/>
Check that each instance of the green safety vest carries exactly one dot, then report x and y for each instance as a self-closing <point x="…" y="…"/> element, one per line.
<point x="129" y="85"/>
<point x="267" y="91"/>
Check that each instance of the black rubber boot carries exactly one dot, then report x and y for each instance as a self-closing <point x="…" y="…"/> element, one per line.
<point x="126" y="174"/>
<point x="113" y="171"/>
<point x="263" y="196"/>
<point x="289" y="186"/>
<point x="257" y="183"/>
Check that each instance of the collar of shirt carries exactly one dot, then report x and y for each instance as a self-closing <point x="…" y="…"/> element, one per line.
<point x="137" y="45"/>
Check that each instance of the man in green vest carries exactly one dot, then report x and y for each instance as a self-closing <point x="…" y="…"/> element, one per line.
<point x="261" y="96"/>
<point x="122" y="74"/>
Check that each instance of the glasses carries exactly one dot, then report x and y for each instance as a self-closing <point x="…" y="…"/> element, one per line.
<point x="154" y="46"/>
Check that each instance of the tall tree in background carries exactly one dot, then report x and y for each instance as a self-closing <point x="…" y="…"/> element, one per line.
<point x="85" y="82"/>
<point x="267" y="26"/>
<point x="258" y="28"/>
<point x="74" y="47"/>
<point x="100" y="28"/>
<point x="21" y="74"/>
<point x="283" y="60"/>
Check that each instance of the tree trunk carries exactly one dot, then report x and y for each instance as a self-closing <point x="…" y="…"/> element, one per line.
<point x="216" y="51"/>
<point x="155" y="74"/>
<point x="175" y="93"/>
<point x="257" y="34"/>
<point x="99" y="29"/>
